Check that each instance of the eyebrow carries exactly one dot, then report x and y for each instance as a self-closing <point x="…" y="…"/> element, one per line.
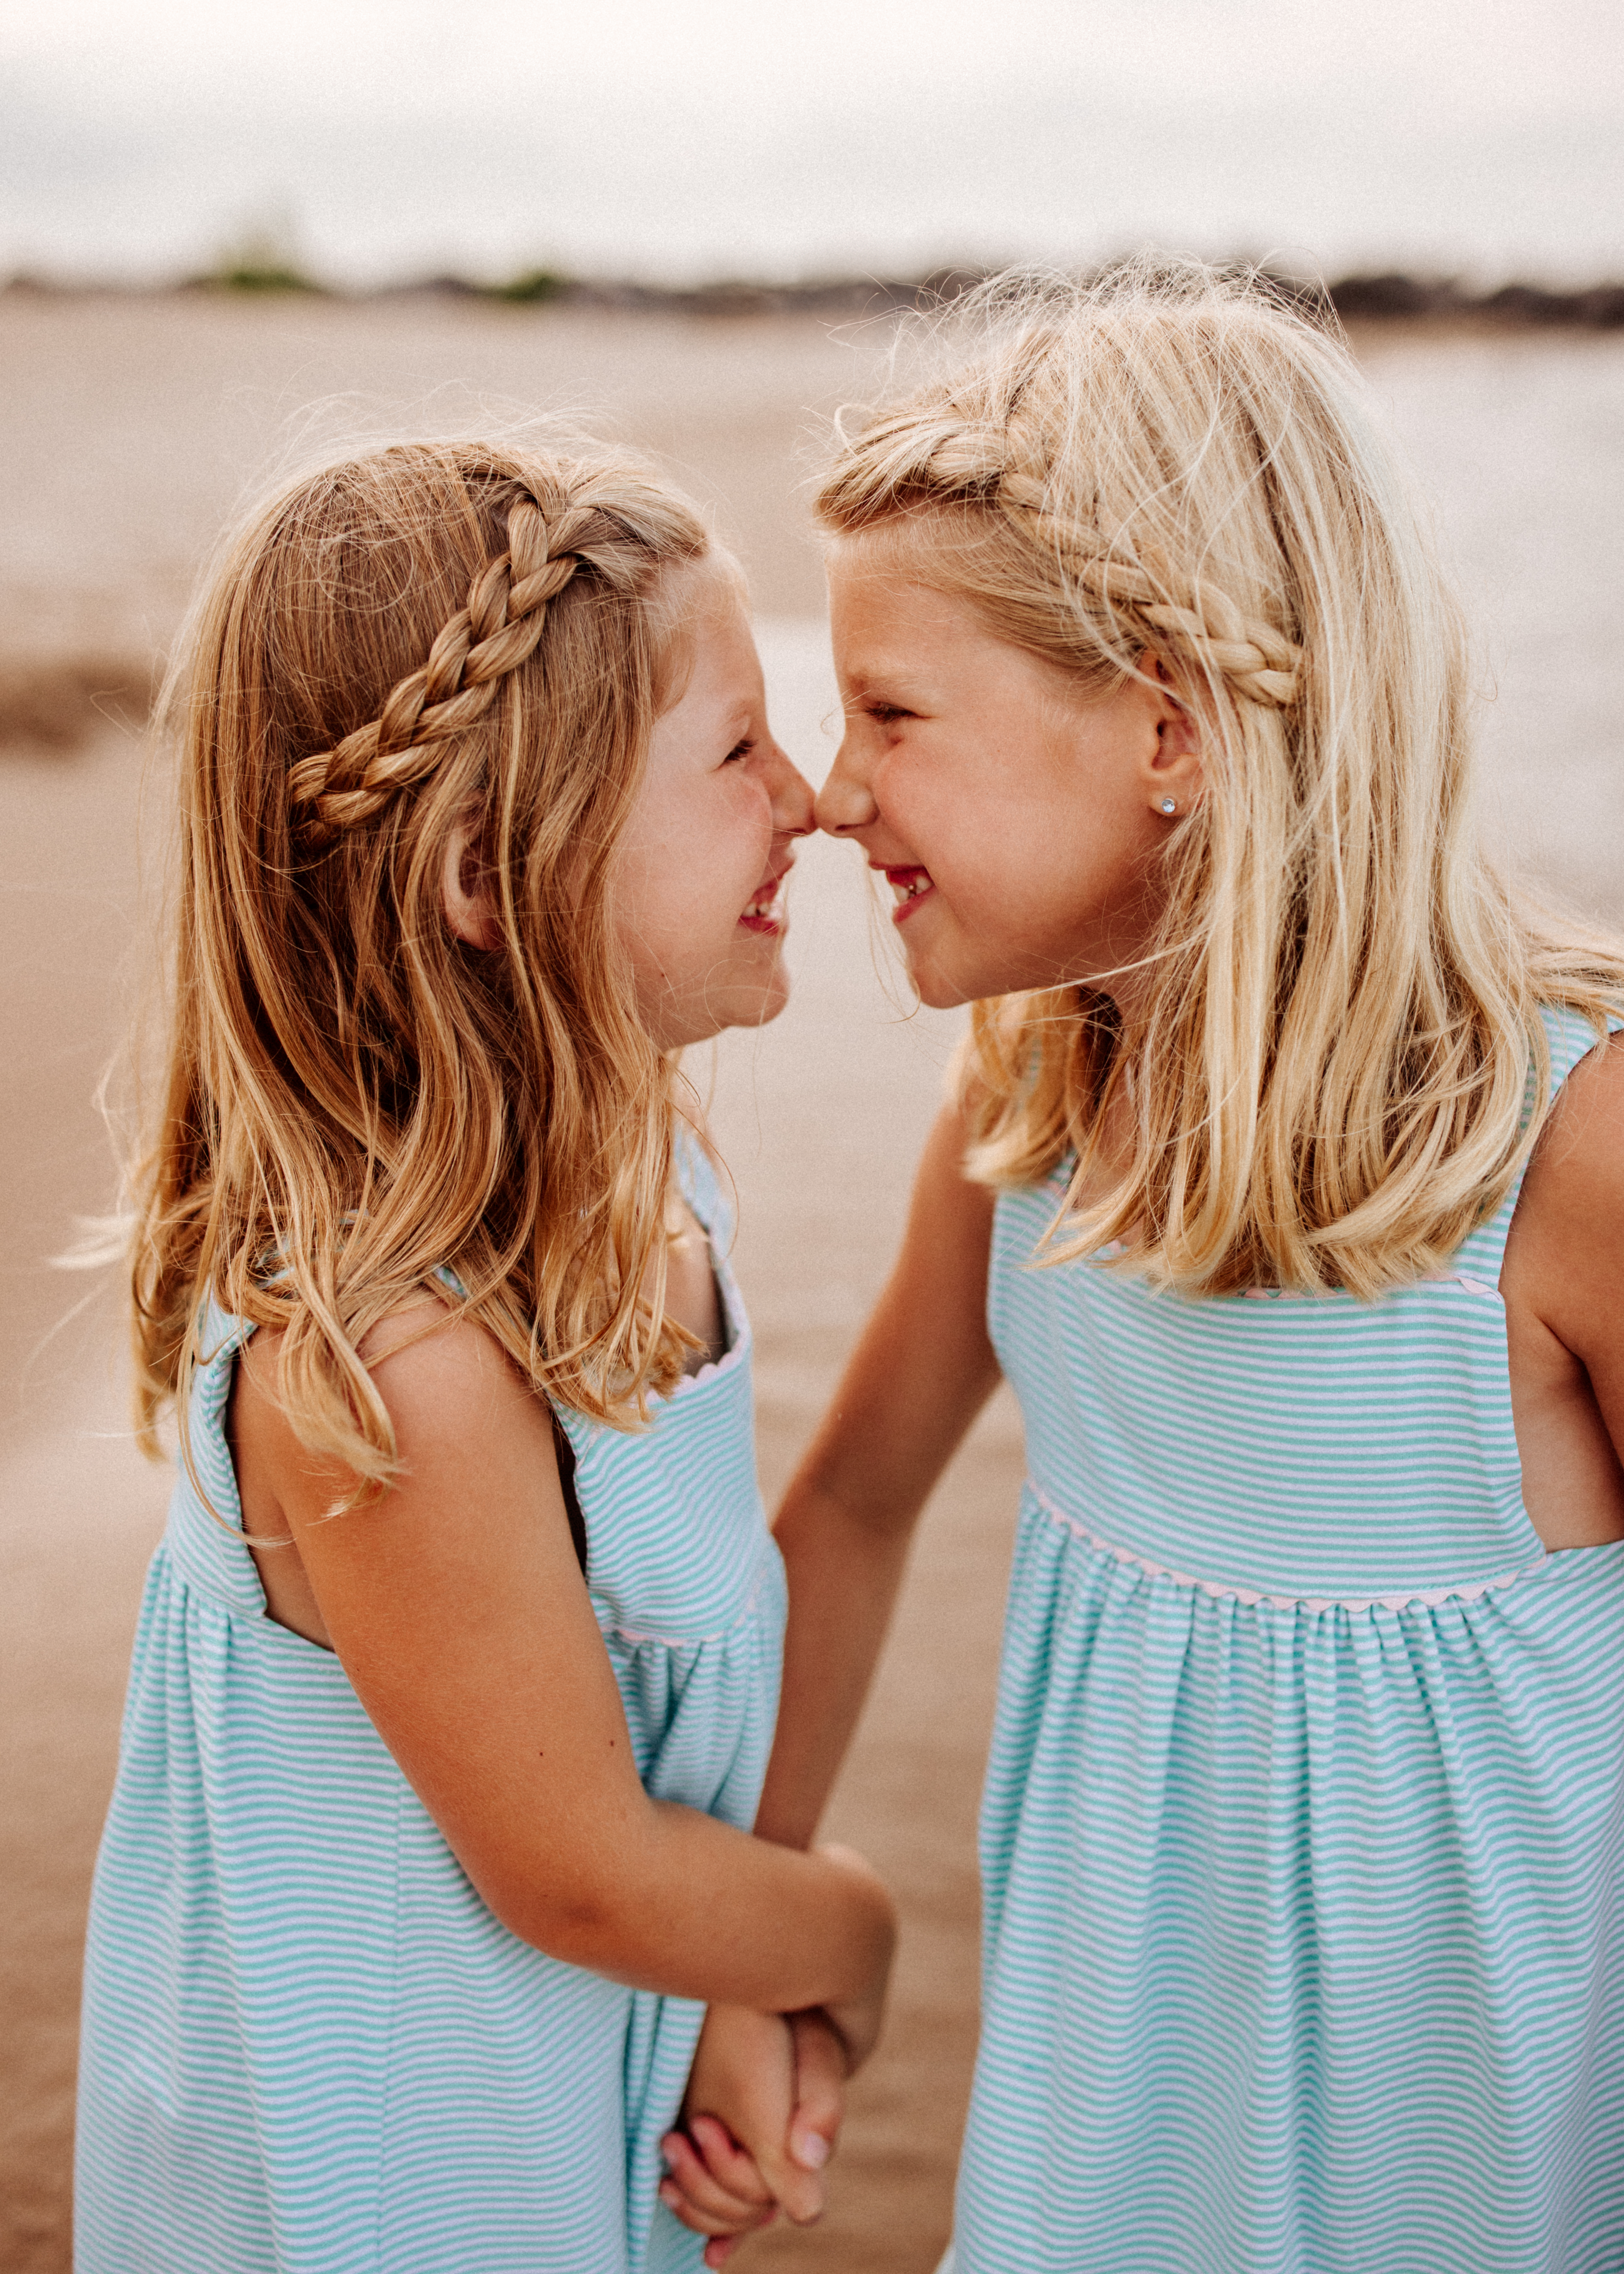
<point x="875" y="664"/>
<point x="738" y="717"/>
<point x="891" y="678"/>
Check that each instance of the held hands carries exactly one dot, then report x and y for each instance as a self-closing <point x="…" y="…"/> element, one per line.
<point x="763" y="2107"/>
<point x="765" y="2097"/>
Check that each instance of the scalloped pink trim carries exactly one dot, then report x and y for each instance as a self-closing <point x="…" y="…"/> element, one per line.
<point x="1466" y="1591"/>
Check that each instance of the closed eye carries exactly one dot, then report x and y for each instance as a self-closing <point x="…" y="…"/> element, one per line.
<point x="886" y="712"/>
<point x="740" y="750"/>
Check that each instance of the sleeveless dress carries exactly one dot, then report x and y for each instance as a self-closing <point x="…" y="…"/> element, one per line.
<point x="308" y="2047"/>
<point x="1303" y="1837"/>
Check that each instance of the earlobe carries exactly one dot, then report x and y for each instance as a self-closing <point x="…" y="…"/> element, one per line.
<point x="1171" y="768"/>
<point x="1175" y="768"/>
<point x="465" y="892"/>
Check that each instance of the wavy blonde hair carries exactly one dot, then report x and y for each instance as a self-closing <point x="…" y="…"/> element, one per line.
<point x="418" y="640"/>
<point x="1334" y="1062"/>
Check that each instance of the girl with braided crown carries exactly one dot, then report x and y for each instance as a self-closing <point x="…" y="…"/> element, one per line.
<point x="457" y="1666"/>
<point x="1285" y="1182"/>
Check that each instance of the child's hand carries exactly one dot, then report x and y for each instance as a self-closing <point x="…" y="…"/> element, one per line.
<point x="763" y="2106"/>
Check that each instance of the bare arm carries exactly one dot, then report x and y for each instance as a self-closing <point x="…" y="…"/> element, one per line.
<point x="1563" y="1282"/>
<point x="921" y="1373"/>
<point x="459" y="1613"/>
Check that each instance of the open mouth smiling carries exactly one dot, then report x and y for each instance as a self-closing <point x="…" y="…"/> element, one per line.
<point x="766" y="912"/>
<point x="910" y="887"/>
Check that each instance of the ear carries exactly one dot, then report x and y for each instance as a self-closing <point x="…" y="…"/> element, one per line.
<point x="1170" y="768"/>
<point x="465" y="890"/>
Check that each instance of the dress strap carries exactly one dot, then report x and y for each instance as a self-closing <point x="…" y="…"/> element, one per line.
<point x="700" y="1185"/>
<point x="1571" y="1038"/>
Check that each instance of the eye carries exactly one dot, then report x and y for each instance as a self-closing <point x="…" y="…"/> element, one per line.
<point x="738" y="750"/>
<point x="886" y="713"/>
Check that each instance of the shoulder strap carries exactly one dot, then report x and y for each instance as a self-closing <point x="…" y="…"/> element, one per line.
<point x="1571" y="1038"/>
<point x="701" y="1186"/>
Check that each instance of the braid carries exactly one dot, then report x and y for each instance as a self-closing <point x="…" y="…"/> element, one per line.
<point x="499" y="628"/>
<point x="1258" y="662"/>
<point x="1252" y="657"/>
<point x="948" y="452"/>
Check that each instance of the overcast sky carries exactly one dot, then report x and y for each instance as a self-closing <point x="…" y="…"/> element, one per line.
<point x="730" y="137"/>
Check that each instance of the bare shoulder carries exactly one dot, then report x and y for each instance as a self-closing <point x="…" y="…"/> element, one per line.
<point x="1564" y="1258"/>
<point x="949" y="1236"/>
<point x="941" y="1174"/>
<point x="1577" y="1172"/>
<point x="444" y="1379"/>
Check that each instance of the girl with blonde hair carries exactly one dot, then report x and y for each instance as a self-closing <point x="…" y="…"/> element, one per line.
<point x="457" y="1665"/>
<point x="1284" y="1181"/>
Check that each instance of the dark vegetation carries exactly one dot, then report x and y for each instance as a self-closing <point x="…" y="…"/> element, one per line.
<point x="1385" y="298"/>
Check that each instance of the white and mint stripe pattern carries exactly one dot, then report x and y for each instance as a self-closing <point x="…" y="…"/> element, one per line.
<point x="1303" y="1841"/>
<point x="308" y="2047"/>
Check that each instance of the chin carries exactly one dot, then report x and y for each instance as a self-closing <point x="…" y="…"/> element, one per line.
<point x="773" y="999"/>
<point x="738" y="1007"/>
<point x="938" y="991"/>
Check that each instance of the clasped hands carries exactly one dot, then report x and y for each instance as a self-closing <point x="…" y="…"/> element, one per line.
<point x="759" y="2121"/>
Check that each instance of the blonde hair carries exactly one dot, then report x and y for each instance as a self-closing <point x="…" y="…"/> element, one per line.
<point x="422" y="639"/>
<point x="1334" y="1064"/>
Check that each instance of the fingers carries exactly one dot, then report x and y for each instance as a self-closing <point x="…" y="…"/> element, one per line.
<point x="795" y="2172"/>
<point x="798" y="2187"/>
<point x="743" y="2151"/>
<point x="730" y="2168"/>
<point x="820" y="2089"/>
<point x="744" y="2074"/>
<point x="794" y="2169"/>
<point x="713" y="2188"/>
<point x="699" y="2222"/>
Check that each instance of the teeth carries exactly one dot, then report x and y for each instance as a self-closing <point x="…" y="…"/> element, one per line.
<point x="909" y="888"/>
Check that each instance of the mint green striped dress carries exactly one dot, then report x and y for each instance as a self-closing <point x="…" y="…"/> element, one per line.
<point x="308" y="2047"/>
<point x="1303" y="1839"/>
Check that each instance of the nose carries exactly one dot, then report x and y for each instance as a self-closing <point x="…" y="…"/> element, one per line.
<point x="845" y="801"/>
<point x="791" y="797"/>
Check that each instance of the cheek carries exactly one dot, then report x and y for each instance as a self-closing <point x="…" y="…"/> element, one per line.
<point x="916" y="796"/>
<point x="738" y="843"/>
<point x="695" y="874"/>
<point x="1011" y="864"/>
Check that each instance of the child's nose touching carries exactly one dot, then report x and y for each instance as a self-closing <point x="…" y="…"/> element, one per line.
<point x="845" y="801"/>
<point x="791" y="793"/>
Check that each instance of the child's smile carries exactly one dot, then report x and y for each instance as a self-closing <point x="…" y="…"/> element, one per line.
<point x="910" y="887"/>
<point x="703" y="862"/>
<point x="766" y="913"/>
<point x="1010" y="805"/>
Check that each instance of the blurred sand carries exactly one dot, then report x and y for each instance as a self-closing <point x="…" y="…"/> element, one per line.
<point x="134" y="426"/>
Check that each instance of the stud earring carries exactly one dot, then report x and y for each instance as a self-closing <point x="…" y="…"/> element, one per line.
<point x="1168" y="805"/>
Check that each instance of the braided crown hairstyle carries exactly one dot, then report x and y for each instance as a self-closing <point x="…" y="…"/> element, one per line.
<point x="1330" y="1048"/>
<point x="426" y="639"/>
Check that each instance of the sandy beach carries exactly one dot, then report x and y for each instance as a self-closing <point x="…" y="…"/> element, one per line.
<point x="136" y="425"/>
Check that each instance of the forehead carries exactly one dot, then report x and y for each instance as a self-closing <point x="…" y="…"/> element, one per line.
<point x="710" y="650"/>
<point x="886" y="609"/>
<point x="900" y="629"/>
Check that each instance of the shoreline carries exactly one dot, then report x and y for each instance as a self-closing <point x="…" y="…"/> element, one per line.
<point x="1383" y="298"/>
